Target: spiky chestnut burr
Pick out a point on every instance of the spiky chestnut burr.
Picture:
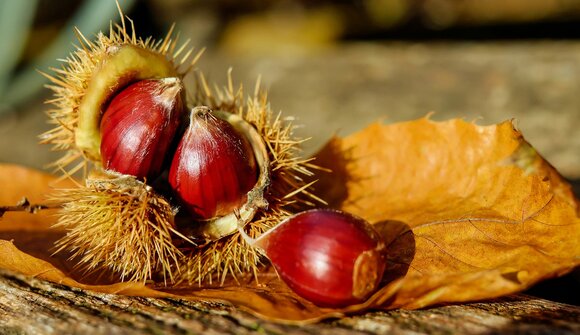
(329, 257)
(139, 126)
(97, 71)
(120, 223)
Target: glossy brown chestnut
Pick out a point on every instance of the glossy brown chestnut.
(331, 258)
(213, 167)
(139, 125)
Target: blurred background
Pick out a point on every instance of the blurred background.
(334, 65)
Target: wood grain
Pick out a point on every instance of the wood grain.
(32, 306)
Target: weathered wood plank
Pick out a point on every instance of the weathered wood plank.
(32, 306)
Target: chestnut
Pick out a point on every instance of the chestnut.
(139, 126)
(329, 257)
(213, 167)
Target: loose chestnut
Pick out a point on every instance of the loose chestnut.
(139, 126)
(213, 167)
(329, 257)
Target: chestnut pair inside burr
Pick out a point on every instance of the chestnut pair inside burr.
(219, 158)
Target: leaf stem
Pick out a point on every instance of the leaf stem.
(25, 206)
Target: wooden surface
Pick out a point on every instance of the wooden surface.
(31, 306)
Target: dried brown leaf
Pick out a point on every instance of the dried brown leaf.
(468, 213)
(480, 212)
